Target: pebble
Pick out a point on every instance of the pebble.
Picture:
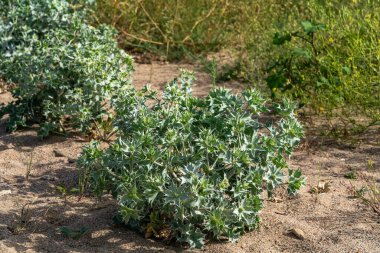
(298, 233)
(58, 153)
(4, 234)
(5, 192)
(49, 178)
(10, 146)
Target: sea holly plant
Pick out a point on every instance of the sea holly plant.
(66, 72)
(296, 181)
(196, 167)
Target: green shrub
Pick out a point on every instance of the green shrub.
(196, 167)
(331, 64)
(66, 71)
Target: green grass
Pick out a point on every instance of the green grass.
(343, 86)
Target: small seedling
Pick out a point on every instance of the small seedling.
(370, 164)
(211, 68)
(23, 220)
(75, 234)
(213, 72)
(373, 199)
(360, 192)
(29, 166)
(64, 192)
(351, 175)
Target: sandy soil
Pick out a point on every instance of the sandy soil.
(31, 208)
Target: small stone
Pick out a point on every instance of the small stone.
(48, 178)
(148, 234)
(71, 160)
(5, 192)
(298, 233)
(10, 146)
(4, 233)
(58, 153)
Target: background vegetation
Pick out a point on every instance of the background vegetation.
(332, 71)
(172, 28)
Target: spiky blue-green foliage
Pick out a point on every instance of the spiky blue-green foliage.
(65, 70)
(195, 166)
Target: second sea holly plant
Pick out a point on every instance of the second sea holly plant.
(196, 168)
(65, 71)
